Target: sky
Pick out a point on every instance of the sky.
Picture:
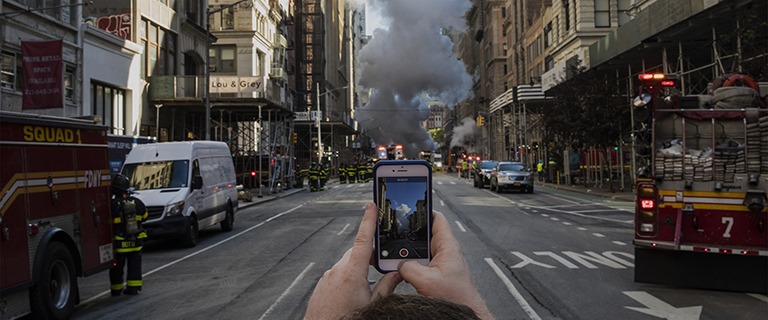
(404, 196)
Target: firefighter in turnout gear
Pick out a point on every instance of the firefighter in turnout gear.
(314, 174)
(370, 171)
(298, 177)
(362, 172)
(128, 213)
(323, 176)
(352, 172)
(343, 173)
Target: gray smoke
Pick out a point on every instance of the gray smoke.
(465, 134)
(411, 59)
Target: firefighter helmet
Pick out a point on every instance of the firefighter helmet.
(120, 183)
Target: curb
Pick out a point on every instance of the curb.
(260, 201)
(556, 187)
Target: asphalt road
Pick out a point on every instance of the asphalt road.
(547, 255)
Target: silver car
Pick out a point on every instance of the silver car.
(511, 175)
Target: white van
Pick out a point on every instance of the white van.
(186, 186)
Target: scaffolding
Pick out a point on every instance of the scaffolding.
(311, 61)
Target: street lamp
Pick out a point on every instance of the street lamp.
(317, 120)
(208, 14)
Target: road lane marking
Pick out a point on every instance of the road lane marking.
(544, 215)
(593, 202)
(452, 182)
(287, 291)
(608, 259)
(594, 257)
(200, 251)
(461, 227)
(440, 183)
(598, 235)
(601, 210)
(442, 203)
(505, 199)
(584, 215)
(582, 229)
(558, 198)
(349, 186)
(511, 287)
(560, 259)
(343, 229)
(620, 243)
(555, 219)
(535, 210)
(526, 261)
(658, 308)
(758, 296)
(566, 223)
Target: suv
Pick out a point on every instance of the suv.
(511, 175)
(482, 175)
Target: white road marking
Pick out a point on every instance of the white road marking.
(349, 186)
(451, 182)
(560, 259)
(585, 211)
(566, 223)
(609, 259)
(535, 210)
(461, 227)
(511, 287)
(620, 243)
(343, 229)
(433, 191)
(544, 215)
(558, 198)
(658, 308)
(442, 203)
(555, 219)
(287, 291)
(758, 296)
(505, 199)
(582, 229)
(526, 261)
(200, 251)
(598, 235)
(440, 183)
(594, 257)
(584, 215)
(527, 208)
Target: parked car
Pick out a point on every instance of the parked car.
(482, 175)
(511, 175)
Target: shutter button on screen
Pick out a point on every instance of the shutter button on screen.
(403, 252)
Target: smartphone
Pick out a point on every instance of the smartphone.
(403, 196)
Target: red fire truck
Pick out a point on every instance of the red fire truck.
(55, 203)
(700, 218)
(391, 152)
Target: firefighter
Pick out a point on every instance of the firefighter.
(314, 174)
(362, 171)
(465, 169)
(352, 172)
(128, 213)
(298, 178)
(323, 176)
(304, 174)
(343, 173)
(370, 171)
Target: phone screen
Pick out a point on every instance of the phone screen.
(403, 217)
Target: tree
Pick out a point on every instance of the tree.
(439, 136)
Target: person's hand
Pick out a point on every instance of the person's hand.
(345, 287)
(447, 275)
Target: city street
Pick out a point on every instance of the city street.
(547, 255)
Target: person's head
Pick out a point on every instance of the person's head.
(120, 184)
(416, 307)
(540, 161)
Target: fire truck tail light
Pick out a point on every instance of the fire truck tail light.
(646, 227)
(647, 215)
(646, 76)
(744, 251)
(646, 204)
(34, 229)
(647, 192)
(668, 83)
(706, 249)
(658, 76)
(653, 244)
(382, 149)
(253, 173)
(398, 147)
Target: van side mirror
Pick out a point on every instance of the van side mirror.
(529, 169)
(197, 182)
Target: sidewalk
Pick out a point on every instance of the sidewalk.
(605, 192)
(266, 196)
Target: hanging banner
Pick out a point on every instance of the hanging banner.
(42, 74)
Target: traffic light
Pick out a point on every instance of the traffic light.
(480, 121)
(294, 138)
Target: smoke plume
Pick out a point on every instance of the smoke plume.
(411, 59)
(464, 134)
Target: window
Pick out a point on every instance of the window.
(11, 71)
(602, 14)
(530, 52)
(109, 103)
(548, 35)
(623, 11)
(538, 46)
(549, 64)
(69, 84)
(503, 12)
(192, 7)
(159, 56)
(505, 49)
(567, 14)
(59, 9)
(223, 59)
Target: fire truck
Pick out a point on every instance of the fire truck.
(56, 221)
(391, 152)
(700, 218)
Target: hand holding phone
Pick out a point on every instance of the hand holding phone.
(403, 195)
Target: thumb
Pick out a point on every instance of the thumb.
(412, 271)
(386, 285)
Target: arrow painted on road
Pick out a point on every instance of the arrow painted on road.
(661, 309)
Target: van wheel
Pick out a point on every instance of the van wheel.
(229, 221)
(190, 238)
(53, 295)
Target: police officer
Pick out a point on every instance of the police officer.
(362, 171)
(352, 172)
(323, 176)
(314, 174)
(127, 215)
(540, 169)
(343, 173)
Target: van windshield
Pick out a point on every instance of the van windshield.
(157, 175)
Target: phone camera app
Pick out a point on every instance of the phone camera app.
(403, 217)
(404, 252)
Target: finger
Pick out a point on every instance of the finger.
(386, 285)
(361, 250)
(442, 236)
(413, 272)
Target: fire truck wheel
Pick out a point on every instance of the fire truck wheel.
(229, 221)
(53, 295)
(190, 238)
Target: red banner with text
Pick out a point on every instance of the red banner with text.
(42, 74)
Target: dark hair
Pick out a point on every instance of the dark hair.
(416, 307)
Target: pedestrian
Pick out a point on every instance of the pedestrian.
(343, 173)
(345, 290)
(314, 174)
(540, 169)
(128, 213)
